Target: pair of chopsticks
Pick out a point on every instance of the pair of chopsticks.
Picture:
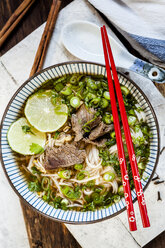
(46, 36)
(14, 20)
(110, 65)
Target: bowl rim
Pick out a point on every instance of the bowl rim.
(3, 165)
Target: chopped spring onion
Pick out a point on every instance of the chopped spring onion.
(64, 174)
(104, 103)
(131, 112)
(96, 100)
(82, 174)
(86, 126)
(98, 189)
(106, 95)
(90, 183)
(90, 96)
(97, 198)
(59, 87)
(52, 195)
(70, 193)
(59, 80)
(141, 166)
(98, 83)
(107, 118)
(121, 190)
(109, 176)
(112, 134)
(73, 79)
(125, 90)
(137, 128)
(51, 203)
(45, 183)
(145, 130)
(65, 201)
(131, 120)
(78, 166)
(91, 84)
(66, 91)
(75, 102)
(116, 198)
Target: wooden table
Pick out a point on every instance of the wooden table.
(42, 232)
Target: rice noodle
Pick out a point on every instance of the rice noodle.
(114, 185)
(92, 165)
(50, 175)
(66, 184)
(140, 115)
(92, 159)
(108, 169)
(75, 205)
(57, 184)
(59, 141)
(113, 149)
(88, 192)
(30, 164)
(84, 180)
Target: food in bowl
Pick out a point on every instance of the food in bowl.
(66, 146)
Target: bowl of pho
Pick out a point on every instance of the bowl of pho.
(58, 145)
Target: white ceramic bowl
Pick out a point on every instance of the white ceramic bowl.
(16, 177)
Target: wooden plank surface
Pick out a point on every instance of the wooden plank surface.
(42, 232)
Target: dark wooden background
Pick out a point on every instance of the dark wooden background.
(42, 232)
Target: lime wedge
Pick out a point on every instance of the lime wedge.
(22, 135)
(43, 115)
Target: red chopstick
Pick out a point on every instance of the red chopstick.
(133, 162)
(121, 155)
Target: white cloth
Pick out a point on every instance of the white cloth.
(139, 17)
(140, 25)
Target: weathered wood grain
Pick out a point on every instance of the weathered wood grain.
(43, 232)
(161, 88)
(32, 19)
(46, 233)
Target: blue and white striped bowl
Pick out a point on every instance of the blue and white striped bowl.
(16, 177)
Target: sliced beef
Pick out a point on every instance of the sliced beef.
(64, 156)
(98, 143)
(100, 130)
(82, 116)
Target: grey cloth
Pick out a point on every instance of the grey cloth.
(139, 25)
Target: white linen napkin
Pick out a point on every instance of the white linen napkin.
(141, 23)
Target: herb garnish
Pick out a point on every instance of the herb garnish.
(35, 170)
(36, 149)
(34, 186)
(26, 129)
(56, 135)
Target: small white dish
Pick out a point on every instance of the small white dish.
(83, 40)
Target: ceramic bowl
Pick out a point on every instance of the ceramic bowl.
(17, 179)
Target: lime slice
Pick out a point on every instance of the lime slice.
(43, 115)
(20, 141)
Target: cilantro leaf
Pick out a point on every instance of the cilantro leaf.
(27, 129)
(34, 186)
(56, 135)
(35, 170)
(36, 149)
